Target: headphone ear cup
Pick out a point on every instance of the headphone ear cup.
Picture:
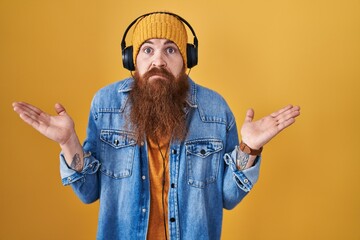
(192, 55)
(127, 58)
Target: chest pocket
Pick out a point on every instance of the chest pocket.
(203, 159)
(117, 153)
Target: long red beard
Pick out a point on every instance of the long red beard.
(158, 105)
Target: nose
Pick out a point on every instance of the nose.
(159, 60)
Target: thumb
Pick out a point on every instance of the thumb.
(60, 110)
(249, 115)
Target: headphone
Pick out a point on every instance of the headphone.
(191, 49)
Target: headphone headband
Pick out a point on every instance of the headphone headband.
(191, 49)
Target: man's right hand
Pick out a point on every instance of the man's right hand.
(59, 128)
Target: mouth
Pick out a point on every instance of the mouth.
(156, 76)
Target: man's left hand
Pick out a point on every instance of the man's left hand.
(256, 134)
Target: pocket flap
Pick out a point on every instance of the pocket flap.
(204, 148)
(117, 139)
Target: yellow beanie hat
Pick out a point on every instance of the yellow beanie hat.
(160, 25)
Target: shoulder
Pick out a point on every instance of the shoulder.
(212, 107)
(116, 87)
(112, 94)
(210, 99)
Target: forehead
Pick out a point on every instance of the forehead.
(159, 41)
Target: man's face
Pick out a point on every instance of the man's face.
(159, 92)
(159, 53)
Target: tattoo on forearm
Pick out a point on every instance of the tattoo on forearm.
(76, 163)
(241, 159)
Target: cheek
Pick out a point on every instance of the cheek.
(178, 67)
(141, 67)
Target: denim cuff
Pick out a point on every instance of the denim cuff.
(69, 175)
(245, 179)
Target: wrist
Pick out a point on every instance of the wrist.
(251, 151)
(73, 152)
(70, 142)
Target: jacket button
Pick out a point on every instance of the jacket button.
(202, 151)
(174, 151)
(173, 185)
(172, 219)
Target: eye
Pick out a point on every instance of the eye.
(170, 50)
(147, 50)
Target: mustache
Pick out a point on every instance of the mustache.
(160, 72)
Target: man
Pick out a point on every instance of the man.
(162, 153)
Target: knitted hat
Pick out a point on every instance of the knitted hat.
(160, 25)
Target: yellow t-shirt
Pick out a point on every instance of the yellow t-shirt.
(156, 228)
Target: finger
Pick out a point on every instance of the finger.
(249, 115)
(60, 110)
(296, 108)
(275, 114)
(288, 115)
(26, 106)
(30, 113)
(22, 109)
(29, 120)
(18, 106)
(285, 124)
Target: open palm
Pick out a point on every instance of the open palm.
(257, 133)
(58, 128)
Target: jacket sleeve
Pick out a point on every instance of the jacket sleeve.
(85, 183)
(236, 183)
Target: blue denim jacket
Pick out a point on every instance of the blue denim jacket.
(203, 174)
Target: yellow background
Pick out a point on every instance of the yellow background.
(260, 54)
